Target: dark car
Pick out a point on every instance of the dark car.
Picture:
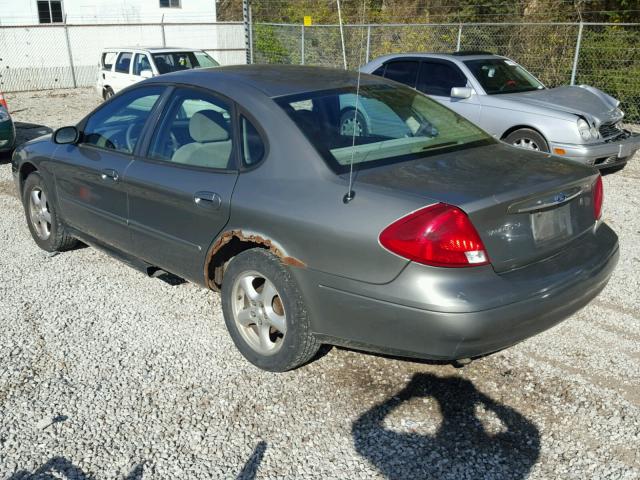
(7, 127)
(444, 243)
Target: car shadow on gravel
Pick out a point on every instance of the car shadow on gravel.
(461, 447)
(25, 132)
(60, 467)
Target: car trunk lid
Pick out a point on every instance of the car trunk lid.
(526, 206)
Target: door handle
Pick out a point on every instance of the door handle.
(109, 174)
(210, 200)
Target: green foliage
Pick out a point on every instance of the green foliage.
(267, 46)
(438, 11)
(609, 60)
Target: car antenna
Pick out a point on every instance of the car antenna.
(350, 193)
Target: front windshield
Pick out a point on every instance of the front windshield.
(175, 61)
(392, 123)
(502, 76)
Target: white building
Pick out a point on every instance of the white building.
(30, 12)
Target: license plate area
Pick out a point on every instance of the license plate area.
(550, 225)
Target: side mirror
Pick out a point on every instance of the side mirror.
(146, 74)
(66, 135)
(461, 92)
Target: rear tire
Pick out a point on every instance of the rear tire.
(528, 139)
(107, 93)
(43, 220)
(265, 313)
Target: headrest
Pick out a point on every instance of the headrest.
(208, 126)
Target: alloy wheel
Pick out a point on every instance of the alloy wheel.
(258, 312)
(526, 143)
(39, 213)
(349, 125)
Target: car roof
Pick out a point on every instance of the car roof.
(447, 56)
(153, 49)
(272, 80)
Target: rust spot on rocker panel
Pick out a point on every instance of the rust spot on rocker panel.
(226, 237)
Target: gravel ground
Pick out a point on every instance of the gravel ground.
(108, 374)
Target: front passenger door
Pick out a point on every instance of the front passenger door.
(180, 193)
(89, 175)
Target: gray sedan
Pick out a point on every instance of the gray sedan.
(444, 243)
(580, 123)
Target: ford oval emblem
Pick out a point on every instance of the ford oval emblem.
(560, 197)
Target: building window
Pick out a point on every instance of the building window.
(50, 11)
(170, 4)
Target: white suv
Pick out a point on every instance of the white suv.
(121, 67)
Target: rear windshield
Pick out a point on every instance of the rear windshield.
(502, 76)
(175, 61)
(383, 124)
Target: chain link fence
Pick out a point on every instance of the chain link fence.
(604, 55)
(35, 57)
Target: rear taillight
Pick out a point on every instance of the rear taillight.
(441, 235)
(3, 102)
(598, 198)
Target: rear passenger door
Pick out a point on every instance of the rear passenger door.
(403, 71)
(436, 78)
(180, 191)
(121, 76)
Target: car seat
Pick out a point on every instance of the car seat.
(211, 146)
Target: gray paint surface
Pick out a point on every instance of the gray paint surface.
(358, 293)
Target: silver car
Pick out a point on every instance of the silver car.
(580, 123)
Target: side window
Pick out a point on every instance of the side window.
(204, 60)
(50, 11)
(438, 78)
(107, 60)
(140, 63)
(379, 71)
(252, 145)
(403, 72)
(195, 130)
(118, 124)
(123, 63)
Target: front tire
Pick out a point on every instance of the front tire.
(527, 139)
(265, 313)
(107, 93)
(43, 220)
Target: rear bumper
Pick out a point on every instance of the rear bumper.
(602, 155)
(448, 314)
